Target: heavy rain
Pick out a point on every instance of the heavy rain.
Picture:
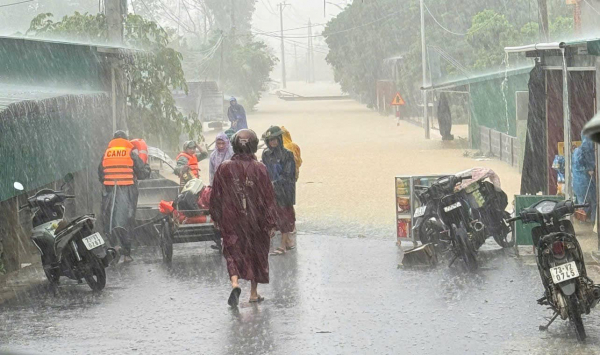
(299, 177)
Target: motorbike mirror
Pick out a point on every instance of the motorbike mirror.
(592, 129)
(68, 178)
(18, 186)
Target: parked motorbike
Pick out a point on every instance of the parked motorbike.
(68, 249)
(488, 205)
(568, 290)
(445, 220)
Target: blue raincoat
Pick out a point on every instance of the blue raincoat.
(584, 161)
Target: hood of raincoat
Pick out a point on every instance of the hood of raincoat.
(287, 137)
(219, 156)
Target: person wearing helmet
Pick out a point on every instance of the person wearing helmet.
(281, 166)
(187, 163)
(119, 171)
(242, 206)
(237, 115)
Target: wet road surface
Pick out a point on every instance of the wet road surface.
(333, 295)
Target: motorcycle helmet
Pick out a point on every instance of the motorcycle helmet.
(245, 141)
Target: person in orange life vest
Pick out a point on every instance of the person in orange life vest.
(187, 162)
(119, 171)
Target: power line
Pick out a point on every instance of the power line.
(17, 3)
(439, 24)
(593, 8)
(385, 18)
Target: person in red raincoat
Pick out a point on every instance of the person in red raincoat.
(242, 206)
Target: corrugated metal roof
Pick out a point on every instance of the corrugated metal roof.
(461, 80)
(12, 94)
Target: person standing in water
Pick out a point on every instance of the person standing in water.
(242, 205)
(237, 115)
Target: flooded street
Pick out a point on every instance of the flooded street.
(339, 292)
(333, 295)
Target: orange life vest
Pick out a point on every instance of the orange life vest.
(142, 148)
(118, 164)
(192, 163)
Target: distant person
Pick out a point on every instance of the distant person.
(294, 148)
(445, 118)
(222, 153)
(584, 186)
(242, 207)
(119, 171)
(281, 166)
(237, 115)
(187, 162)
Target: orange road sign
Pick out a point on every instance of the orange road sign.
(398, 100)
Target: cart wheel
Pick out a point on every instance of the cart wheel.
(166, 242)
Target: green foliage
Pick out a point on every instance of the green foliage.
(472, 33)
(488, 36)
(155, 70)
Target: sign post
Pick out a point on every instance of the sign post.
(397, 102)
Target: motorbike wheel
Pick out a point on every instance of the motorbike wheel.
(575, 318)
(96, 278)
(166, 242)
(466, 250)
(51, 276)
(507, 240)
(429, 232)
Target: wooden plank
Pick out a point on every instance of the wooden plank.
(495, 143)
(516, 152)
(484, 140)
(506, 148)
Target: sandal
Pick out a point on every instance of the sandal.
(234, 297)
(278, 251)
(257, 299)
(291, 247)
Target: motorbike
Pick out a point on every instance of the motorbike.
(567, 289)
(446, 220)
(69, 249)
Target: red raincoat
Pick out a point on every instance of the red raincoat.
(242, 205)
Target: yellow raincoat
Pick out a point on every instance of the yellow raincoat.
(292, 147)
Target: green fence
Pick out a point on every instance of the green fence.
(523, 231)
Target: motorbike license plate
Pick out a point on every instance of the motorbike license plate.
(93, 241)
(564, 272)
(452, 207)
(420, 211)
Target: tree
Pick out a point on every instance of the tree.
(151, 104)
(488, 35)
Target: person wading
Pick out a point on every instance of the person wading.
(119, 171)
(282, 172)
(242, 207)
(237, 115)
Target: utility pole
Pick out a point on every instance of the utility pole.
(577, 17)
(424, 63)
(115, 12)
(295, 62)
(543, 7)
(281, 7)
(232, 19)
(311, 55)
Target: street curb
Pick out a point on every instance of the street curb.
(21, 283)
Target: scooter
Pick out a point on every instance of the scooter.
(568, 290)
(68, 249)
